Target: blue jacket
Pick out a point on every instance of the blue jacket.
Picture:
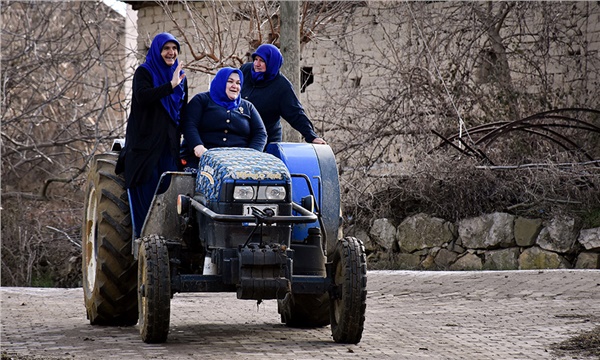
(206, 123)
(275, 99)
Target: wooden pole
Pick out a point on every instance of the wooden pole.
(290, 49)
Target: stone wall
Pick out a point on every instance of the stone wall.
(497, 241)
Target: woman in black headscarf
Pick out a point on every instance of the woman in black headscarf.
(152, 136)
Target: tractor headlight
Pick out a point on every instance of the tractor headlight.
(243, 193)
(275, 193)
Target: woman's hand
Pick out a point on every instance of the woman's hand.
(199, 150)
(177, 79)
(319, 141)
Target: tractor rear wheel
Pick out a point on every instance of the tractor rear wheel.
(349, 297)
(154, 289)
(108, 266)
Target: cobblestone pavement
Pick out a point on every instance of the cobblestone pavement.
(410, 315)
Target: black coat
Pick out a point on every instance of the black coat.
(209, 124)
(275, 99)
(150, 129)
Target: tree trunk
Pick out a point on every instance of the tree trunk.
(290, 49)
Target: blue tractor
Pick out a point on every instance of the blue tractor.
(265, 225)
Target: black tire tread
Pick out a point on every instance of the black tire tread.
(304, 310)
(113, 301)
(155, 316)
(348, 329)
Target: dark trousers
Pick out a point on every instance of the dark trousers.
(140, 196)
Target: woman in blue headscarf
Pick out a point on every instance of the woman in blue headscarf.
(221, 118)
(273, 95)
(152, 136)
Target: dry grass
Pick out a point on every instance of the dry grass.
(454, 189)
(584, 344)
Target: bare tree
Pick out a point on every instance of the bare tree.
(432, 73)
(224, 33)
(62, 101)
(451, 67)
(62, 89)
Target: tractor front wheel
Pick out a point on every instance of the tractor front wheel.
(349, 294)
(154, 289)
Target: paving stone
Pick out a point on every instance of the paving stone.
(410, 315)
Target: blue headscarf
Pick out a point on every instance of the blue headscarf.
(273, 59)
(217, 88)
(162, 73)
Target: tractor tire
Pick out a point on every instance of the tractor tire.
(108, 266)
(349, 299)
(304, 310)
(154, 292)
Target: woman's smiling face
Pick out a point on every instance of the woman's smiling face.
(169, 53)
(232, 88)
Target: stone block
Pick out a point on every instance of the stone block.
(456, 248)
(559, 235)
(468, 262)
(526, 231)
(504, 259)
(588, 260)
(383, 232)
(428, 263)
(590, 239)
(537, 258)
(445, 258)
(423, 231)
(487, 231)
(408, 261)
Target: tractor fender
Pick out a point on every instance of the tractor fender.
(316, 162)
